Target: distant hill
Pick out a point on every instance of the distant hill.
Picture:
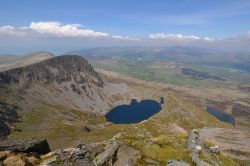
(193, 55)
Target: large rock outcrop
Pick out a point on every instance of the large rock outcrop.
(127, 156)
(26, 146)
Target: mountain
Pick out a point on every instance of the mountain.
(65, 87)
(11, 61)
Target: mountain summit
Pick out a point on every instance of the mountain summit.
(61, 69)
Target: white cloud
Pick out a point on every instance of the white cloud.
(7, 28)
(125, 38)
(10, 30)
(177, 37)
(52, 28)
(68, 30)
(208, 39)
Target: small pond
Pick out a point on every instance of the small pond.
(221, 115)
(135, 112)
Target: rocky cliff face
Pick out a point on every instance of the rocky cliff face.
(67, 82)
(58, 69)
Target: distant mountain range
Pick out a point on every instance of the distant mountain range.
(193, 55)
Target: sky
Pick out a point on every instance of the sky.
(64, 25)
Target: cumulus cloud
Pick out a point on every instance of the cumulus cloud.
(68, 30)
(208, 39)
(125, 38)
(177, 37)
(52, 28)
(10, 30)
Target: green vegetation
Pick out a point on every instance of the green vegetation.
(8, 109)
(65, 127)
(62, 127)
(225, 160)
(166, 72)
(161, 148)
(199, 75)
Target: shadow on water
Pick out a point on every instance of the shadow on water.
(222, 116)
(135, 112)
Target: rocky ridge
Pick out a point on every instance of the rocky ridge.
(59, 69)
(68, 82)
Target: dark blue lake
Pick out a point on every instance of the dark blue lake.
(135, 112)
(221, 115)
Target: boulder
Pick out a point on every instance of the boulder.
(26, 146)
(127, 156)
(176, 163)
(14, 160)
(4, 155)
(83, 155)
(87, 129)
(214, 149)
(108, 154)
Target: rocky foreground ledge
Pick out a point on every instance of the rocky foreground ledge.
(37, 152)
(121, 150)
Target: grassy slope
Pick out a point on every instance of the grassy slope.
(63, 127)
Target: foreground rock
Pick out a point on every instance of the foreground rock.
(83, 155)
(127, 156)
(8, 158)
(26, 146)
(117, 151)
(37, 152)
(109, 153)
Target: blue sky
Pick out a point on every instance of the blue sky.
(129, 19)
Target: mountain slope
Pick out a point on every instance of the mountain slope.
(64, 87)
